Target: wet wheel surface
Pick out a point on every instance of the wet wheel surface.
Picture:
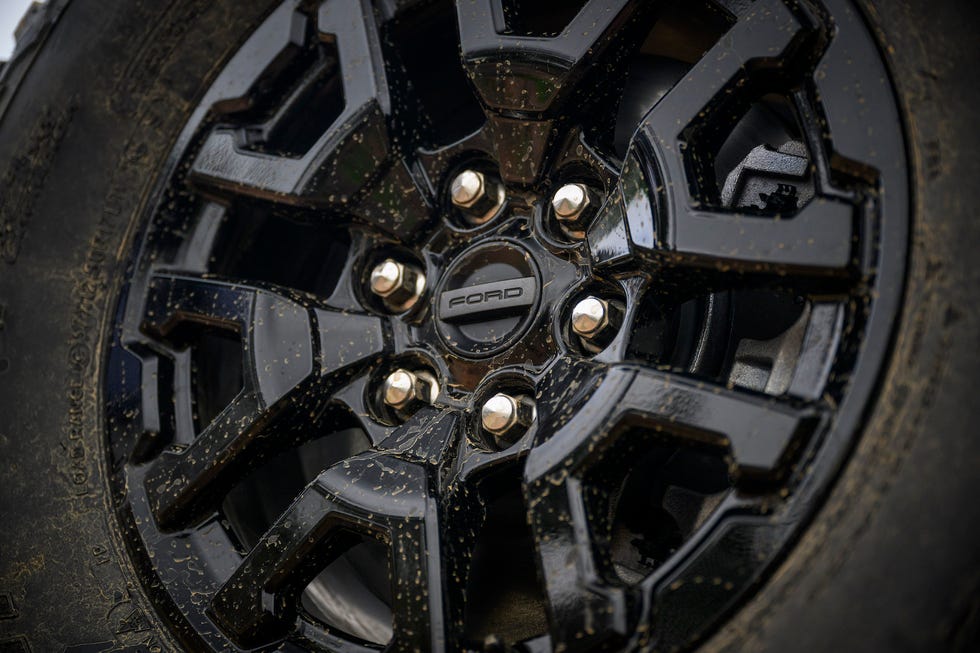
(487, 326)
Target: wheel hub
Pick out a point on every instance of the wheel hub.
(490, 296)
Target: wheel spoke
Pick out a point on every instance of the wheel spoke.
(769, 35)
(670, 223)
(757, 431)
(426, 438)
(817, 241)
(396, 203)
(357, 137)
(586, 611)
(587, 603)
(649, 320)
(527, 74)
(295, 355)
(277, 42)
(532, 76)
(372, 496)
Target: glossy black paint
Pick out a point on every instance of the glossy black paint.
(422, 489)
(373, 495)
(817, 240)
(289, 346)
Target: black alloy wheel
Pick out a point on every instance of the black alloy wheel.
(738, 258)
(498, 325)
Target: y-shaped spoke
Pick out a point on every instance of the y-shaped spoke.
(374, 495)
(588, 604)
(350, 151)
(656, 209)
(295, 354)
(532, 76)
(527, 74)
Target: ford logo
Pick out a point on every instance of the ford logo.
(499, 298)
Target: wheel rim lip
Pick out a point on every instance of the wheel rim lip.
(852, 410)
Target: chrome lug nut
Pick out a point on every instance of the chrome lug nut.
(407, 391)
(596, 321)
(399, 285)
(506, 417)
(479, 196)
(574, 206)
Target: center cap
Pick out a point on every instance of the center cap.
(487, 299)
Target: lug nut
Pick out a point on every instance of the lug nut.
(407, 391)
(574, 205)
(398, 284)
(506, 417)
(479, 196)
(595, 321)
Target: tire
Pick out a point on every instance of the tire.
(887, 566)
(92, 110)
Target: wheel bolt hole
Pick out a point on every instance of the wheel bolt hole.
(476, 194)
(394, 281)
(594, 318)
(505, 412)
(402, 389)
(573, 203)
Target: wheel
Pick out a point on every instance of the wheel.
(414, 325)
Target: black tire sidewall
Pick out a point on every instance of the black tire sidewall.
(891, 561)
(81, 145)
